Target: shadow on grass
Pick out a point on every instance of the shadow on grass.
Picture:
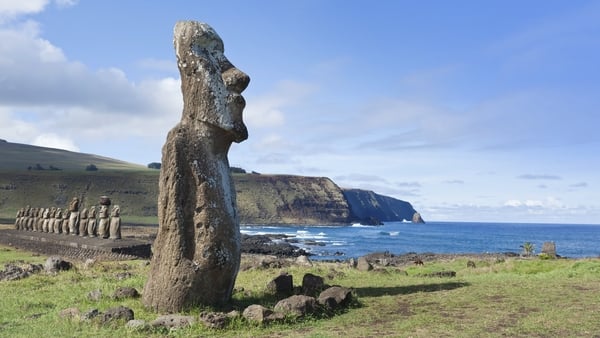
(405, 290)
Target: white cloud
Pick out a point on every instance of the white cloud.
(51, 140)
(12, 8)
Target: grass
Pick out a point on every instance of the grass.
(513, 297)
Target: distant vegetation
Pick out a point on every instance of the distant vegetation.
(91, 167)
(154, 165)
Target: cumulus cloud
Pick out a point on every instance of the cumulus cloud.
(49, 100)
(51, 140)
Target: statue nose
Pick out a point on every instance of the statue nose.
(235, 80)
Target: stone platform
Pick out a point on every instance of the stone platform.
(76, 246)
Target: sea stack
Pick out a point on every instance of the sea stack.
(196, 254)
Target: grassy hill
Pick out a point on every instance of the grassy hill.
(262, 199)
(18, 157)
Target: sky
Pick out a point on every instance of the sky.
(469, 110)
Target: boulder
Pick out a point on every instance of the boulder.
(297, 305)
(335, 297)
(117, 314)
(95, 295)
(312, 284)
(257, 313)
(363, 264)
(282, 285)
(125, 292)
(55, 264)
(70, 313)
(173, 321)
(214, 320)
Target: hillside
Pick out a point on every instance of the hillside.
(262, 199)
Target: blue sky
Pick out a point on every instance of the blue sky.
(470, 110)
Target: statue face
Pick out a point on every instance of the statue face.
(211, 85)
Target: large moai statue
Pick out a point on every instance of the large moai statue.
(196, 254)
(115, 223)
(18, 219)
(74, 216)
(103, 221)
(46, 220)
(91, 226)
(65, 222)
(83, 222)
(51, 219)
(58, 221)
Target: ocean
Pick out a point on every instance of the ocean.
(352, 241)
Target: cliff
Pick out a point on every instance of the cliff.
(262, 199)
(369, 207)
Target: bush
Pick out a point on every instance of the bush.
(91, 167)
(154, 165)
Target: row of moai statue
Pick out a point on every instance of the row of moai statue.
(85, 223)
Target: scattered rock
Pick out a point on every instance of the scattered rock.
(125, 292)
(123, 275)
(117, 313)
(94, 295)
(137, 324)
(89, 263)
(55, 264)
(257, 313)
(335, 297)
(173, 321)
(15, 272)
(363, 264)
(70, 313)
(298, 305)
(471, 264)
(214, 320)
(312, 284)
(92, 313)
(282, 285)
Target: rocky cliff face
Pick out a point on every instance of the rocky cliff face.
(367, 206)
(261, 199)
(271, 199)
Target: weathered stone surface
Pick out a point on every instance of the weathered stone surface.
(14, 272)
(92, 313)
(303, 261)
(54, 264)
(214, 320)
(137, 324)
(117, 313)
(125, 292)
(363, 264)
(257, 313)
(282, 284)
(173, 321)
(115, 223)
(312, 284)
(335, 297)
(196, 254)
(297, 305)
(549, 248)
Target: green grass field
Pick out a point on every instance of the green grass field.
(513, 297)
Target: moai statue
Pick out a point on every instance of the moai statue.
(91, 226)
(196, 254)
(103, 222)
(74, 216)
(83, 222)
(52, 216)
(18, 219)
(58, 221)
(65, 222)
(34, 218)
(28, 219)
(115, 223)
(40, 220)
(46, 217)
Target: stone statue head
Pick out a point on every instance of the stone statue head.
(74, 205)
(116, 211)
(92, 212)
(211, 85)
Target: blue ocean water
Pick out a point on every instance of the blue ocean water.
(342, 242)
